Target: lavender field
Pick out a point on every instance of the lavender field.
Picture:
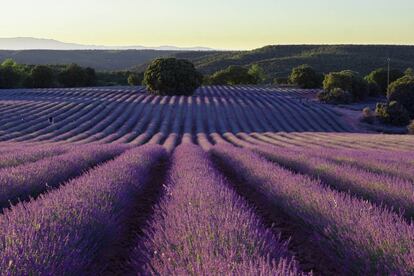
(231, 181)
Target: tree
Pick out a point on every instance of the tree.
(380, 78)
(392, 113)
(41, 76)
(73, 76)
(409, 72)
(135, 79)
(402, 91)
(348, 81)
(305, 77)
(232, 75)
(170, 76)
(10, 74)
(90, 77)
(258, 73)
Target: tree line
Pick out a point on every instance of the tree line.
(14, 75)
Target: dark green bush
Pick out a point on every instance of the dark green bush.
(402, 91)
(170, 76)
(232, 75)
(392, 113)
(41, 76)
(380, 77)
(335, 96)
(348, 81)
(305, 77)
(135, 79)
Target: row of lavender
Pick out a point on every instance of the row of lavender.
(71, 229)
(204, 223)
(359, 236)
(132, 117)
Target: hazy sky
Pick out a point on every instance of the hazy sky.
(233, 24)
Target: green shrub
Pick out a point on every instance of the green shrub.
(258, 73)
(305, 77)
(41, 76)
(170, 76)
(402, 91)
(380, 77)
(232, 75)
(335, 96)
(135, 79)
(348, 81)
(392, 113)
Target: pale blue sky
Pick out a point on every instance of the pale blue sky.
(235, 24)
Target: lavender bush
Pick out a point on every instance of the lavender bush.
(392, 191)
(30, 180)
(64, 231)
(30, 154)
(201, 227)
(357, 236)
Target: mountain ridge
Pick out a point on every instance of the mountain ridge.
(32, 43)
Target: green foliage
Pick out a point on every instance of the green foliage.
(409, 72)
(305, 77)
(402, 91)
(380, 78)
(335, 96)
(392, 113)
(373, 88)
(11, 74)
(258, 73)
(233, 75)
(90, 77)
(41, 76)
(9, 63)
(112, 78)
(170, 76)
(348, 81)
(135, 79)
(75, 76)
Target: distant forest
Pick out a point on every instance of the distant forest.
(277, 61)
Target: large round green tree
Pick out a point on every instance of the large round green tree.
(170, 76)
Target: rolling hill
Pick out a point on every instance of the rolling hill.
(277, 60)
